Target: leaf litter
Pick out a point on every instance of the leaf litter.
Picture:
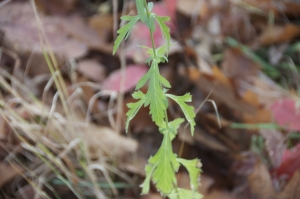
(244, 52)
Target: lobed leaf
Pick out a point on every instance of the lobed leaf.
(162, 166)
(184, 193)
(125, 30)
(186, 109)
(134, 107)
(194, 171)
(143, 80)
(160, 54)
(164, 82)
(165, 30)
(141, 10)
(151, 22)
(155, 96)
(172, 128)
(146, 184)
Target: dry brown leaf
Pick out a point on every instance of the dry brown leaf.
(92, 69)
(236, 65)
(260, 182)
(279, 8)
(103, 24)
(8, 172)
(261, 84)
(21, 34)
(292, 189)
(136, 165)
(106, 139)
(203, 138)
(251, 98)
(279, 34)
(224, 92)
(261, 185)
(56, 6)
(76, 27)
(236, 25)
(200, 8)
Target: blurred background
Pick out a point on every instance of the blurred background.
(63, 98)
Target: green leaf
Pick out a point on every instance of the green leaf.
(164, 82)
(150, 6)
(165, 30)
(194, 171)
(172, 127)
(140, 6)
(146, 184)
(184, 193)
(155, 95)
(134, 107)
(125, 30)
(160, 54)
(143, 80)
(187, 110)
(164, 166)
(151, 22)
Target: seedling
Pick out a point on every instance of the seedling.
(161, 167)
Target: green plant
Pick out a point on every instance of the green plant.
(161, 168)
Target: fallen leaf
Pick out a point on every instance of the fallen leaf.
(237, 66)
(201, 8)
(279, 34)
(103, 24)
(92, 69)
(203, 138)
(74, 27)
(290, 163)
(7, 172)
(278, 8)
(19, 22)
(291, 190)
(222, 93)
(56, 6)
(251, 98)
(274, 144)
(133, 74)
(286, 113)
(109, 141)
(260, 182)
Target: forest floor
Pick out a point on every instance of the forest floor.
(63, 98)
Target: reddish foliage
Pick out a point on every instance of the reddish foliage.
(290, 162)
(132, 75)
(286, 113)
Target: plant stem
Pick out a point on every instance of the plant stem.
(151, 32)
(153, 45)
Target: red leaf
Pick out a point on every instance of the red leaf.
(290, 163)
(133, 74)
(286, 113)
